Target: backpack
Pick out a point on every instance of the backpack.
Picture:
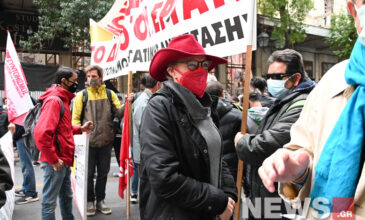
(30, 121)
(85, 98)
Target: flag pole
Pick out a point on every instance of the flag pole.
(246, 90)
(130, 87)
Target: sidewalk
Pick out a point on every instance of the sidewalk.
(32, 210)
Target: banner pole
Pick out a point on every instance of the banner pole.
(130, 87)
(246, 93)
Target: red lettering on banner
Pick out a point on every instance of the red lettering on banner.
(124, 8)
(116, 20)
(124, 33)
(113, 53)
(113, 30)
(15, 76)
(132, 4)
(154, 16)
(120, 30)
(174, 17)
(190, 5)
(97, 58)
(167, 8)
(218, 3)
(141, 20)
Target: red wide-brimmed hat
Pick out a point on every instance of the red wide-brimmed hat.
(181, 46)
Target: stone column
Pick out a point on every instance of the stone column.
(66, 59)
(222, 75)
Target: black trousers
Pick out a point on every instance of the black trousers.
(99, 158)
(117, 142)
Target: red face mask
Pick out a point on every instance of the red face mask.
(195, 81)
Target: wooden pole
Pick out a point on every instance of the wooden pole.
(251, 21)
(246, 91)
(130, 87)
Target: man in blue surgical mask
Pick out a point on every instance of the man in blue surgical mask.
(325, 156)
(289, 83)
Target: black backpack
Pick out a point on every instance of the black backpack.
(30, 122)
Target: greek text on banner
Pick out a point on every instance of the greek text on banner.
(132, 31)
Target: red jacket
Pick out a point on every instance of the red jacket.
(49, 125)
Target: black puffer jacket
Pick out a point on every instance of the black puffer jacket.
(175, 177)
(3, 121)
(6, 182)
(273, 133)
(229, 125)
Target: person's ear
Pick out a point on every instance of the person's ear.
(63, 81)
(296, 79)
(170, 70)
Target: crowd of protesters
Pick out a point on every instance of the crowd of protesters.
(303, 140)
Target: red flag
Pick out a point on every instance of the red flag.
(125, 156)
(16, 89)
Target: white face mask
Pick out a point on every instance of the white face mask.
(361, 13)
(93, 82)
(277, 88)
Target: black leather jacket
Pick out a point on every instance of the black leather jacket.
(175, 177)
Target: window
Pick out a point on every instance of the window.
(308, 67)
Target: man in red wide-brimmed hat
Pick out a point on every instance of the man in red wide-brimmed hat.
(183, 176)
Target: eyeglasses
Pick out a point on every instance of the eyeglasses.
(277, 76)
(193, 64)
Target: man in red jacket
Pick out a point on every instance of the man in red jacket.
(53, 135)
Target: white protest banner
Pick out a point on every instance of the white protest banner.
(16, 89)
(6, 144)
(133, 30)
(79, 173)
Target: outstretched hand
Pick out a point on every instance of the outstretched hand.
(283, 166)
(87, 127)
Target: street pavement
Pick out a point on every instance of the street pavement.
(32, 211)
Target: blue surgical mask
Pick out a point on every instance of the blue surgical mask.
(361, 13)
(277, 88)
